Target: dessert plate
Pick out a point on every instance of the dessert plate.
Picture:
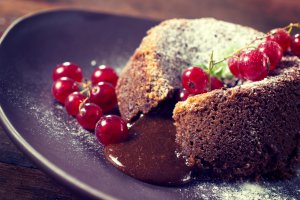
(29, 51)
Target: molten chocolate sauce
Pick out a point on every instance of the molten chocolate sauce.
(150, 155)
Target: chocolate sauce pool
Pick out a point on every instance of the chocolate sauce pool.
(150, 154)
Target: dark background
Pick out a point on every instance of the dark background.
(19, 178)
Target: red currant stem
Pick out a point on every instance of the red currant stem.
(83, 102)
(216, 63)
(296, 25)
(210, 68)
(85, 84)
(236, 52)
(88, 84)
(290, 29)
(291, 26)
(84, 90)
(257, 38)
(224, 59)
(247, 47)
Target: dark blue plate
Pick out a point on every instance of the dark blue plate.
(29, 51)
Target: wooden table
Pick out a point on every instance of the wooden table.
(19, 178)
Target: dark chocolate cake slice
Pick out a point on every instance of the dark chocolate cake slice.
(246, 130)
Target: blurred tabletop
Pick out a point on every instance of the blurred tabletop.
(19, 178)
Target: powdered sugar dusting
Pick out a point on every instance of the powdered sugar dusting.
(52, 117)
(193, 40)
(57, 122)
(279, 190)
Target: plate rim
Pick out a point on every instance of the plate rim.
(42, 162)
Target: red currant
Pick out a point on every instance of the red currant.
(233, 64)
(89, 114)
(103, 94)
(73, 102)
(254, 65)
(69, 70)
(183, 95)
(295, 45)
(194, 80)
(273, 51)
(216, 83)
(104, 74)
(111, 129)
(62, 87)
(281, 36)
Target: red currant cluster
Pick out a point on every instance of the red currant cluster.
(88, 100)
(249, 63)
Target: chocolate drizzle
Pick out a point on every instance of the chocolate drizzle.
(150, 155)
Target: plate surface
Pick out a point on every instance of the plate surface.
(41, 128)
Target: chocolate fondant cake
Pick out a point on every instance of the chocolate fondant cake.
(246, 130)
